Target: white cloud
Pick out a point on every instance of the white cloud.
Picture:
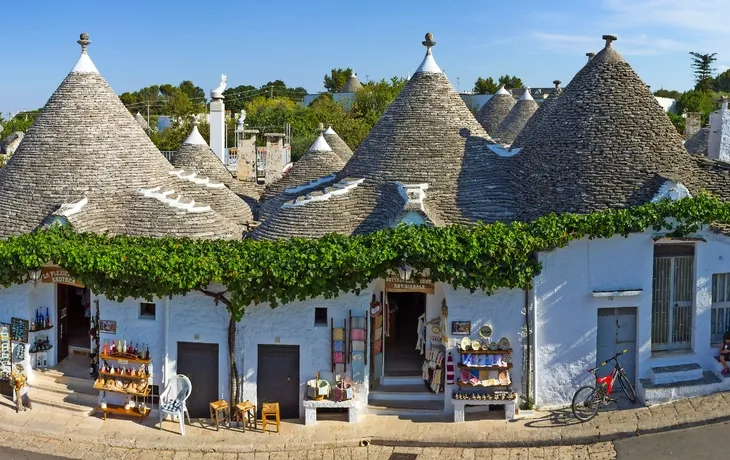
(637, 45)
(705, 16)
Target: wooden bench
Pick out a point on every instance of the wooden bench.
(311, 406)
(460, 405)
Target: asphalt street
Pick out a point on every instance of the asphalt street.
(707, 442)
(7, 453)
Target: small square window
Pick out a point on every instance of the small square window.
(320, 316)
(147, 310)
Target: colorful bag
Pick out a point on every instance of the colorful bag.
(338, 357)
(378, 346)
(339, 346)
(358, 334)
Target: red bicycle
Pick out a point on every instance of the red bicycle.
(588, 399)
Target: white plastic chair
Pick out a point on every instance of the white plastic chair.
(172, 400)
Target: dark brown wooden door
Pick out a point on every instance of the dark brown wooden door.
(62, 306)
(278, 378)
(199, 363)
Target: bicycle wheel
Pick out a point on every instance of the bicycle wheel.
(627, 387)
(586, 402)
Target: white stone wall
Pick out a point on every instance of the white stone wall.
(718, 143)
(567, 318)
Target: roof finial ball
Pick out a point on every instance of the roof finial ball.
(83, 41)
(609, 39)
(428, 42)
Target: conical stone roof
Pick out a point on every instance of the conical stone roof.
(87, 162)
(318, 166)
(195, 156)
(352, 85)
(495, 110)
(537, 117)
(427, 154)
(517, 118)
(610, 145)
(141, 121)
(338, 145)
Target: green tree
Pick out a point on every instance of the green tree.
(195, 93)
(697, 101)
(702, 65)
(672, 94)
(20, 122)
(722, 82)
(510, 82)
(335, 81)
(677, 120)
(372, 100)
(485, 86)
(236, 97)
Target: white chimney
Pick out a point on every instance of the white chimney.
(718, 144)
(218, 121)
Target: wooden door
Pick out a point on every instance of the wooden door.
(62, 302)
(278, 378)
(199, 363)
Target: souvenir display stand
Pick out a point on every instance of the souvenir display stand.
(484, 376)
(41, 342)
(6, 364)
(358, 358)
(127, 372)
(433, 368)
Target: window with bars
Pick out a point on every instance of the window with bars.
(720, 306)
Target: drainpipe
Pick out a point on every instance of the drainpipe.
(527, 374)
(165, 361)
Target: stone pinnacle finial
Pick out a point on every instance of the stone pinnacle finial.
(609, 39)
(83, 41)
(428, 43)
(557, 83)
(320, 128)
(196, 120)
(590, 55)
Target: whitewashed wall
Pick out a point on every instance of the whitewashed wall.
(293, 324)
(21, 301)
(711, 257)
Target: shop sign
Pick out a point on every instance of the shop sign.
(395, 284)
(58, 275)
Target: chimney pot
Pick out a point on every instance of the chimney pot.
(590, 55)
(609, 39)
(556, 83)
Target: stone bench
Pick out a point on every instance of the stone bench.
(460, 405)
(311, 406)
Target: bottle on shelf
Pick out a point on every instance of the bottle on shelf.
(48, 319)
(147, 352)
(106, 347)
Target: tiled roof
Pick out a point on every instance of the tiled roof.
(338, 145)
(516, 119)
(86, 160)
(697, 143)
(537, 117)
(352, 85)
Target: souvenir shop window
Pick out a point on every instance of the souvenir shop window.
(320, 316)
(154, 396)
(147, 310)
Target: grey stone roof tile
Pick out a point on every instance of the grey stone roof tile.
(494, 111)
(697, 143)
(515, 120)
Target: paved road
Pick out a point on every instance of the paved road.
(695, 443)
(7, 453)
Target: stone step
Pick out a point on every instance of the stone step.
(651, 393)
(426, 408)
(418, 394)
(673, 374)
(73, 403)
(62, 384)
(390, 380)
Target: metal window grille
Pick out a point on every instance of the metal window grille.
(672, 301)
(720, 312)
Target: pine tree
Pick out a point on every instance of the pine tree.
(702, 65)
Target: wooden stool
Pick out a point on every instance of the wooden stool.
(246, 413)
(219, 409)
(269, 409)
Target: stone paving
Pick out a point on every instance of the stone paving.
(551, 429)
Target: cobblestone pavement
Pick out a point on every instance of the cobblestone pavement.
(76, 450)
(540, 429)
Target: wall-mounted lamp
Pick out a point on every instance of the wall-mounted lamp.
(405, 271)
(34, 275)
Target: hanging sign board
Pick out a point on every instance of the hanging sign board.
(395, 284)
(58, 275)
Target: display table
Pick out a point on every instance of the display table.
(460, 404)
(311, 406)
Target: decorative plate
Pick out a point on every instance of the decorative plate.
(507, 358)
(485, 331)
(465, 343)
(435, 330)
(475, 345)
(504, 343)
(493, 346)
(485, 345)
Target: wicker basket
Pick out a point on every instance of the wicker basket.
(318, 389)
(343, 391)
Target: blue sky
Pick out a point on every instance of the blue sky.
(139, 43)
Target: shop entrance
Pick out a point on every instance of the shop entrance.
(74, 318)
(277, 378)
(199, 362)
(402, 357)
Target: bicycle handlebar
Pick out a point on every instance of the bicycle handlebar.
(612, 358)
